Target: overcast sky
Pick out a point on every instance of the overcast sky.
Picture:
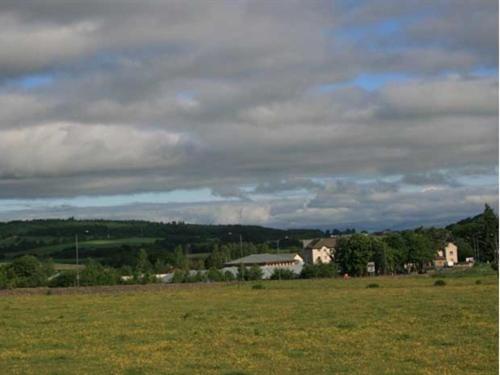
(372, 114)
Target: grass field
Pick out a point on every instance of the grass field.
(405, 326)
(93, 244)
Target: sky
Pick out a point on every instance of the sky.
(285, 113)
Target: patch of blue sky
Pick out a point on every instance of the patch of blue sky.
(379, 29)
(366, 81)
(175, 196)
(33, 81)
(484, 71)
(187, 95)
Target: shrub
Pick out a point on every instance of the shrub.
(252, 273)
(26, 272)
(179, 276)
(198, 277)
(63, 279)
(3, 277)
(214, 274)
(282, 274)
(323, 270)
(229, 276)
(439, 283)
(95, 273)
(372, 285)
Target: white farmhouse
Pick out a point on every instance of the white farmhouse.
(448, 254)
(320, 250)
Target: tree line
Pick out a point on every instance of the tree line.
(393, 252)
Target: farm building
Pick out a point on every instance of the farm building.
(267, 262)
(320, 250)
(276, 260)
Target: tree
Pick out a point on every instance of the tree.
(465, 250)
(489, 235)
(420, 249)
(143, 264)
(353, 254)
(217, 258)
(383, 256)
(95, 273)
(27, 271)
(180, 259)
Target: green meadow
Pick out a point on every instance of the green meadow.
(404, 325)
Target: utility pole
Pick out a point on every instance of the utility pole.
(277, 253)
(241, 257)
(241, 246)
(77, 261)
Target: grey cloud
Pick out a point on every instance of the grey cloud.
(289, 184)
(374, 210)
(432, 178)
(158, 96)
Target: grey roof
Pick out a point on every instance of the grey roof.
(318, 243)
(263, 259)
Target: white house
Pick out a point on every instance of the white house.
(448, 254)
(320, 250)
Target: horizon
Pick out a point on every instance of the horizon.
(283, 114)
(324, 228)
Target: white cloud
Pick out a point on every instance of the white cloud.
(157, 96)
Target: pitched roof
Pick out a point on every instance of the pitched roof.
(318, 243)
(263, 259)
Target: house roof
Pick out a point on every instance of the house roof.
(263, 259)
(318, 243)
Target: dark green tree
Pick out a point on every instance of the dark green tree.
(143, 264)
(353, 254)
(180, 259)
(27, 271)
(383, 256)
(489, 235)
(421, 251)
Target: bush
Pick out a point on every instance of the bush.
(214, 274)
(283, 274)
(179, 276)
(372, 285)
(252, 273)
(26, 272)
(439, 283)
(198, 277)
(321, 270)
(4, 282)
(229, 276)
(63, 279)
(95, 273)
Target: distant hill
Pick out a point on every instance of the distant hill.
(109, 240)
(117, 243)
